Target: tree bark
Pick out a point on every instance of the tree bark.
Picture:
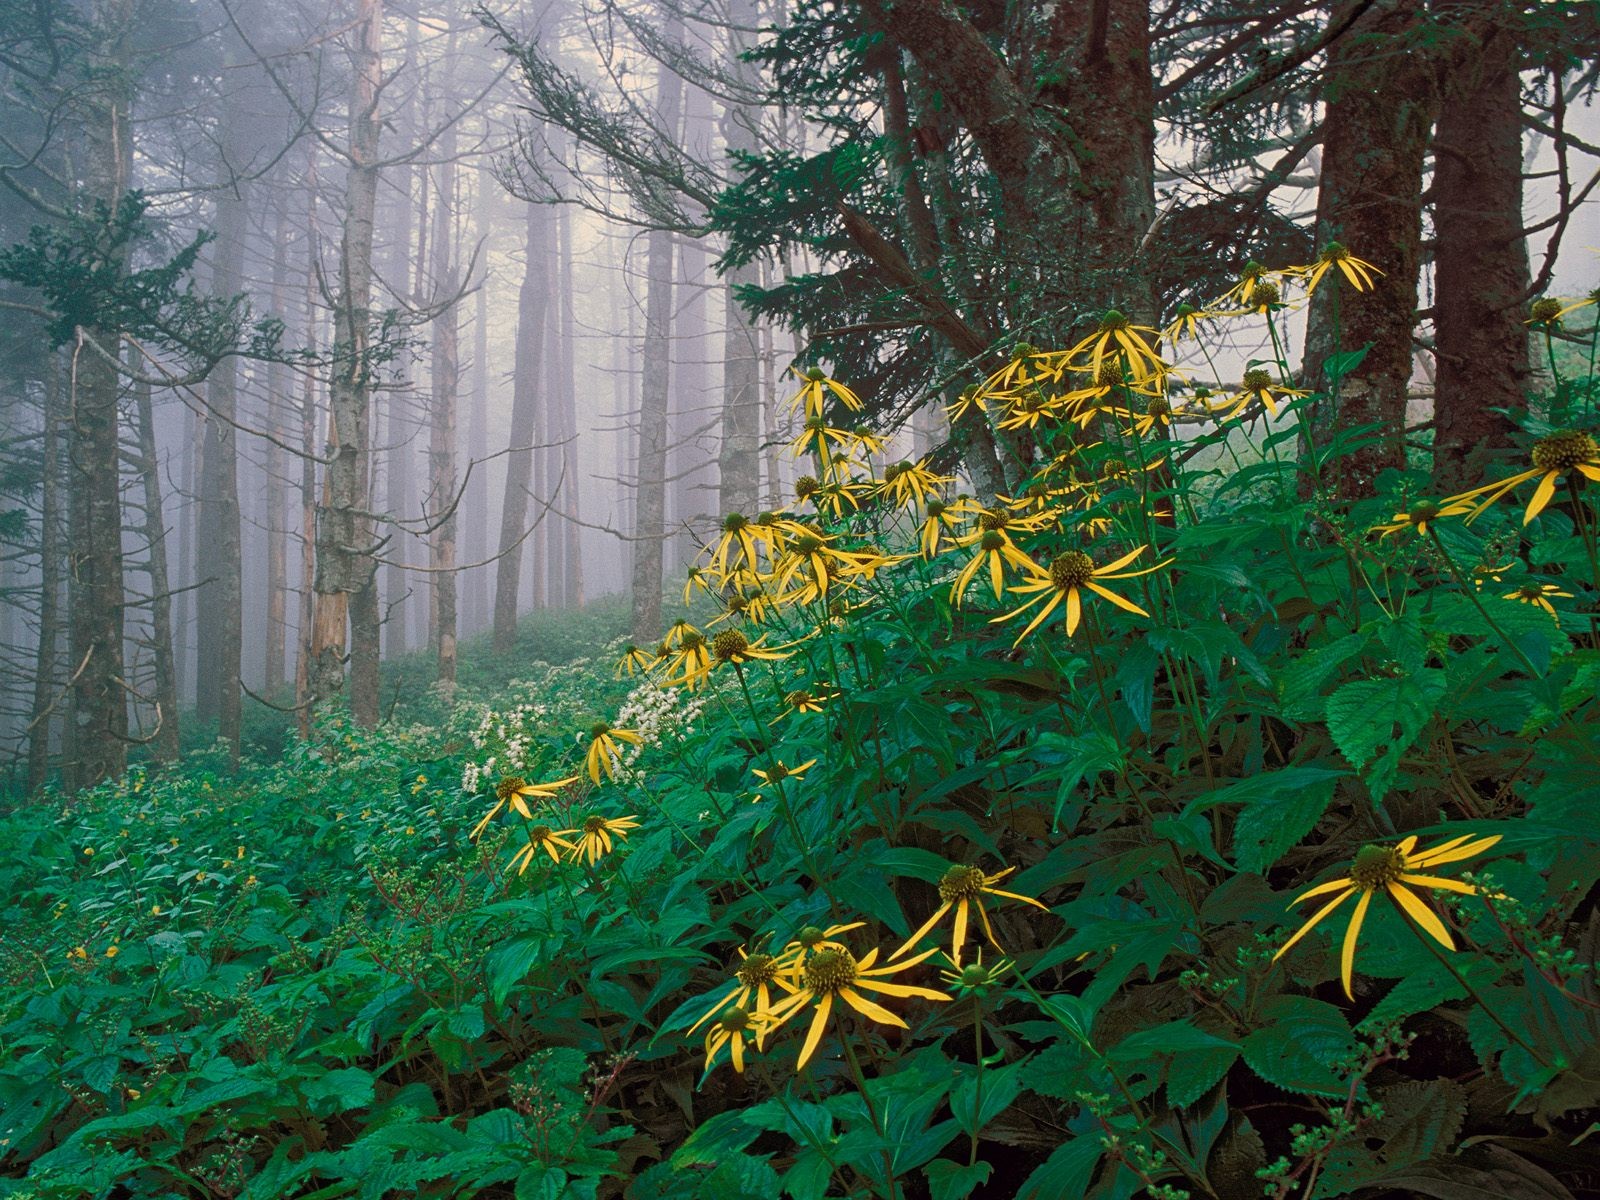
(98, 728)
(277, 404)
(566, 405)
(532, 309)
(1480, 261)
(164, 744)
(345, 578)
(1381, 104)
(218, 626)
(446, 379)
(45, 698)
(476, 501)
(306, 617)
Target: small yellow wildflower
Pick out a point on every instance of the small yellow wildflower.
(605, 750)
(1391, 870)
(634, 660)
(542, 837)
(1068, 574)
(1357, 272)
(596, 839)
(815, 386)
(1421, 515)
(963, 889)
(777, 771)
(1553, 458)
(113, 950)
(1539, 595)
(734, 1027)
(755, 975)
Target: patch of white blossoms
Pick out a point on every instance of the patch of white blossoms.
(502, 739)
(656, 714)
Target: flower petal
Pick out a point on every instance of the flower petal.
(818, 1024)
(1422, 915)
(1347, 954)
(873, 1012)
(1315, 918)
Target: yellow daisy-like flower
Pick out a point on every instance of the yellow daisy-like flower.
(739, 544)
(834, 973)
(911, 483)
(1357, 272)
(597, 833)
(1546, 312)
(992, 548)
(1068, 575)
(1539, 595)
(803, 700)
(634, 660)
(1027, 365)
(829, 499)
(963, 889)
(696, 581)
(1117, 334)
(542, 837)
(1026, 409)
(1258, 385)
(516, 791)
(778, 771)
(689, 663)
(754, 976)
(1392, 870)
(938, 521)
(734, 1027)
(605, 749)
(1186, 323)
(1553, 457)
(1250, 278)
(731, 646)
(809, 939)
(815, 387)
(1421, 515)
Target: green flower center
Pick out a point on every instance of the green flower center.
(806, 486)
(757, 969)
(829, 970)
(540, 833)
(1070, 570)
(733, 1018)
(1266, 294)
(961, 883)
(972, 975)
(1427, 510)
(1256, 378)
(892, 472)
(1022, 350)
(777, 771)
(991, 540)
(1158, 407)
(509, 787)
(1186, 310)
(1545, 310)
(599, 729)
(729, 645)
(810, 935)
(1333, 252)
(815, 374)
(1110, 374)
(594, 824)
(1113, 467)
(692, 640)
(936, 508)
(1253, 270)
(993, 518)
(1376, 867)
(807, 544)
(796, 699)
(1563, 451)
(734, 522)
(1113, 320)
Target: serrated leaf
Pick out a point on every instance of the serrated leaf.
(1420, 1119)
(1375, 721)
(1298, 1043)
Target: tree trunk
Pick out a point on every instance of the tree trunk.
(446, 378)
(476, 501)
(97, 741)
(277, 403)
(1480, 262)
(345, 578)
(306, 617)
(164, 744)
(1380, 109)
(218, 627)
(532, 308)
(566, 405)
(45, 698)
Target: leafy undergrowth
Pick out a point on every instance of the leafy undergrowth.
(810, 834)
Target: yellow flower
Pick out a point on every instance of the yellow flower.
(1257, 385)
(1120, 336)
(1068, 574)
(1420, 515)
(542, 837)
(634, 659)
(938, 520)
(963, 889)
(515, 791)
(1025, 409)
(596, 839)
(814, 388)
(908, 483)
(605, 751)
(778, 772)
(738, 533)
(1553, 456)
(1250, 278)
(829, 499)
(803, 701)
(689, 663)
(1027, 365)
(1357, 272)
(810, 938)
(834, 973)
(113, 950)
(1539, 594)
(1390, 870)
(1546, 312)
(1186, 323)
(975, 979)
(734, 1027)
(756, 975)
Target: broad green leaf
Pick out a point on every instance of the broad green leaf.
(1298, 1044)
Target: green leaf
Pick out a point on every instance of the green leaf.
(339, 1091)
(980, 1097)
(908, 861)
(1339, 364)
(1420, 1120)
(1267, 829)
(953, 1181)
(1375, 721)
(1067, 1172)
(1298, 1044)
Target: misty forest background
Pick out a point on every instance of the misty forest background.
(430, 426)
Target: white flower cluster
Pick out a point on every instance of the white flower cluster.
(656, 713)
(503, 736)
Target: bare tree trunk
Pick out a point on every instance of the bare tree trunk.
(345, 583)
(532, 307)
(1480, 261)
(476, 501)
(97, 742)
(306, 617)
(164, 745)
(277, 401)
(566, 405)
(1380, 108)
(219, 632)
(193, 443)
(45, 698)
(446, 379)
